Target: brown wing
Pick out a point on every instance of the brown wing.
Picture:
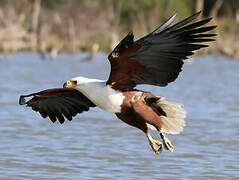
(157, 58)
(58, 103)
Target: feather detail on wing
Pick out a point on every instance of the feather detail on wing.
(58, 103)
(157, 58)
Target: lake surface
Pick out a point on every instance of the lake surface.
(96, 145)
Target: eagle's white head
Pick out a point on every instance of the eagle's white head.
(79, 81)
(98, 92)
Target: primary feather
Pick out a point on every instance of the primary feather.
(157, 58)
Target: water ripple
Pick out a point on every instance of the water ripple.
(95, 145)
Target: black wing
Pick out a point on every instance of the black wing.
(157, 58)
(58, 103)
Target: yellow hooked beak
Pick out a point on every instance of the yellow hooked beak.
(70, 84)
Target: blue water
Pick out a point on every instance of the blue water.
(95, 145)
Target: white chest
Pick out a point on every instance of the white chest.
(103, 96)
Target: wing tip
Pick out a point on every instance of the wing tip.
(196, 15)
(213, 27)
(199, 12)
(22, 100)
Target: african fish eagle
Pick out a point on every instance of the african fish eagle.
(155, 59)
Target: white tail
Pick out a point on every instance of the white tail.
(174, 122)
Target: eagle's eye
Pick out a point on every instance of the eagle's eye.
(74, 82)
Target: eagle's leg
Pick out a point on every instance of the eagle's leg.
(155, 144)
(167, 143)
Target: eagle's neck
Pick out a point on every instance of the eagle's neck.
(102, 95)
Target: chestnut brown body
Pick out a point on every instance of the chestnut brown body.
(137, 112)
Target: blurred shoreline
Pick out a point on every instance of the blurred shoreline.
(74, 26)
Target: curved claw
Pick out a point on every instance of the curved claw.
(167, 144)
(157, 147)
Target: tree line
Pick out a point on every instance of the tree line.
(74, 25)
